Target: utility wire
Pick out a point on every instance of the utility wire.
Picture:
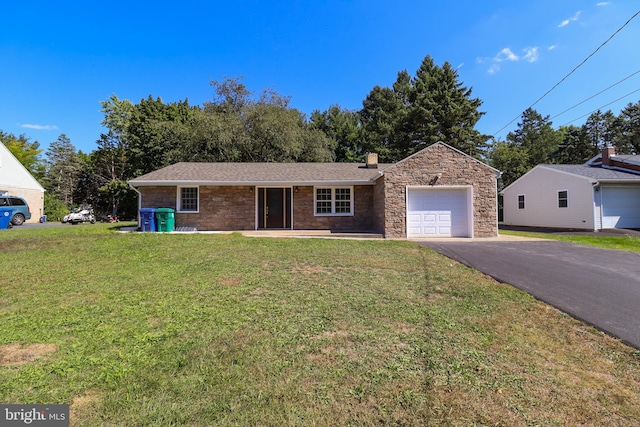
(593, 96)
(572, 71)
(600, 108)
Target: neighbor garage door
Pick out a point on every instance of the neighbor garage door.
(620, 207)
(436, 212)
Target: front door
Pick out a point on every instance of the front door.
(274, 207)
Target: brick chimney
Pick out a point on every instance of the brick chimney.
(607, 154)
(371, 160)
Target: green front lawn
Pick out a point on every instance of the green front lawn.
(621, 243)
(158, 330)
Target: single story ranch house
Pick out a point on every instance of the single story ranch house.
(436, 192)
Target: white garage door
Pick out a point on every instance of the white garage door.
(437, 212)
(620, 207)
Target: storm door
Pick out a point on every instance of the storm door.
(274, 208)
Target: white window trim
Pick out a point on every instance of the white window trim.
(178, 201)
(558, 199)
(524, 201)
(333, 201)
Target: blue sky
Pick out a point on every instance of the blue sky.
(58, 60)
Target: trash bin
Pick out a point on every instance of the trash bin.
(5, 217)
(148, 219)
(166, 219)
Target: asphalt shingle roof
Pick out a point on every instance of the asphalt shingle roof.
(247, 173)
(596, 173)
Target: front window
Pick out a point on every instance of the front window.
(334, 201)
(521, 201)
(563, 199)
(188, 199)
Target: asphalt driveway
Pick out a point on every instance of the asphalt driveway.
(598, 286)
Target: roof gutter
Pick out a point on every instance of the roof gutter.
(618, 181)
(247, 183)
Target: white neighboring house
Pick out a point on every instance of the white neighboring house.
(601, 193)
(15, 180)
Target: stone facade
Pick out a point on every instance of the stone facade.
(224, 208)
(228, 208)
(379, 207)
(456, 169)
(361, 220)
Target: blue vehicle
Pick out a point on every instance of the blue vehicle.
(21, 211)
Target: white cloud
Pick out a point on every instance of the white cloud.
(39, 127)
(572, 19)
(603, 3)
(552, 47)
(531, 54)
(505, 55)
(493, 69)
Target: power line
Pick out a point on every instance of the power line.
(573, 71)
(593, 96)
(600, 108)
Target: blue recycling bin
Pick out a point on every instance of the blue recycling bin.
(5, 217)
(148, 219)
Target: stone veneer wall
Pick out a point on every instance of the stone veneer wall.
(224, 209)
(362, 220)
(158, 197)
(221, 208)
(379, 204)
(457, 170)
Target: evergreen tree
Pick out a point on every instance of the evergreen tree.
(416, 112)
(575, 147)
(533, 142)
(628, 138)
(600, 130)
(536, 135)
(63, 167)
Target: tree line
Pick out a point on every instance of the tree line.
(535, 141)
(239, 125)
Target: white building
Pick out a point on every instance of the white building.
(602, 193)
(15, 180)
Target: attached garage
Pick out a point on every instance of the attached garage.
(437, 191)
(620, 207)
(439, 212)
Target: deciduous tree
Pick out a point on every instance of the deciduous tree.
(345, 131)
(27, 152)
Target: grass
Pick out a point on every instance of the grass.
(621, 243)
(200, 330)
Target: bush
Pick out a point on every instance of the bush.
(54, 208)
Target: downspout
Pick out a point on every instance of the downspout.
(382, 227)
(139, 204)
(498, 175)
(597, 200)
